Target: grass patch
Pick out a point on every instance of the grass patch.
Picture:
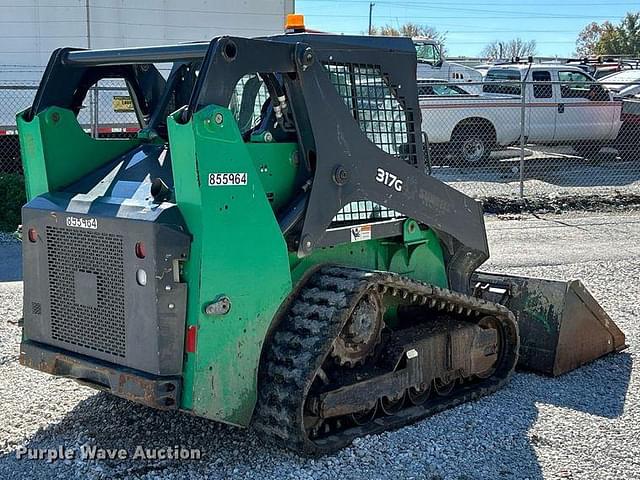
(12, 197)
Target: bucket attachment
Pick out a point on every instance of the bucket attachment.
(561, 325)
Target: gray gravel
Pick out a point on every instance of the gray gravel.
(583, 425)
(10, 259)
(547, 170)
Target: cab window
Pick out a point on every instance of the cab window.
(427, 53)
(247, 101)
(574, 84)
(502, 81)
(447, 90)
(540, 89)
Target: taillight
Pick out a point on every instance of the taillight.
(191, 339)
(32, 234)
(141, 250)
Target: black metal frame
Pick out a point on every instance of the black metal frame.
(342, 164)
(65, 84)
(154, 391)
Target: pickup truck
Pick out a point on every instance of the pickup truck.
(562, 105)
(628, 141)
(625, 84)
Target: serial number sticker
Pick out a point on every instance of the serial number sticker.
(227, 179)
(78, 222)
(360, 233)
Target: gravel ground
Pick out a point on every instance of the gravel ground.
(10, 258)
(584, 425)
(547, 170)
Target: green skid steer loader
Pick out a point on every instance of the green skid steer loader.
(267, 250)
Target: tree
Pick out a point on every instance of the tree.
(588, 39)
(623, 39)
(510, 49)
(610, 39)
(410, 30)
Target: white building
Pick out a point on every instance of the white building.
(31, 29)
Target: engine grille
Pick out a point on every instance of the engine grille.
(92, 316)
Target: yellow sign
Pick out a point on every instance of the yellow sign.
(122, 103)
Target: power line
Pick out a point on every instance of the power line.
(500, 15)
(476, 11)
(392, 3)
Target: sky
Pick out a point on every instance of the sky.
(471, 24)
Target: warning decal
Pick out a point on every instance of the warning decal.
(360, 233)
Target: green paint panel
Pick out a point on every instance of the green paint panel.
(57, 152)
(277, 165)
(422, 260)
(238, 251)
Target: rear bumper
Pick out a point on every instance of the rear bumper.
(158, 392)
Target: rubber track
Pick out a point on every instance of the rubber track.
(303, 339)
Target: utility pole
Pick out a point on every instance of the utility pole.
(87, 7)
(371, 5)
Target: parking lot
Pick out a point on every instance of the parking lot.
(583, 425)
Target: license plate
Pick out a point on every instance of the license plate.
(80, 222)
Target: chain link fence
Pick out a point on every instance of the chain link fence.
(13, 98)
(499, 138)
(563, 135)
(106, 112)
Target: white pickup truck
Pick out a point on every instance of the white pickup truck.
(562, 104)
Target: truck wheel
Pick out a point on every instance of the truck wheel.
(469, 147)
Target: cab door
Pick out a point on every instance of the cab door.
(541, 107)
(585, 109)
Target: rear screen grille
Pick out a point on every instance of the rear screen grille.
(86, 289)
(380, 113)
(376, 107)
